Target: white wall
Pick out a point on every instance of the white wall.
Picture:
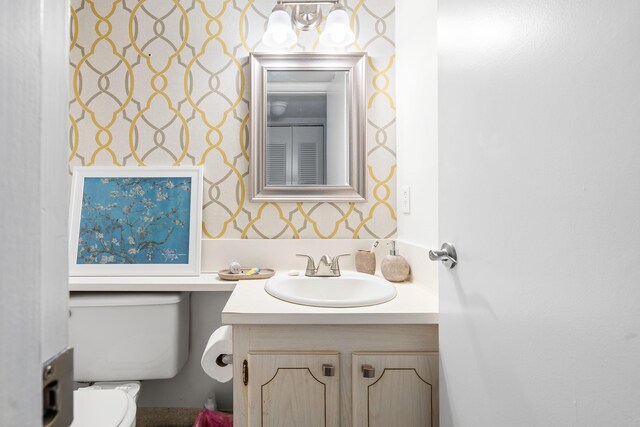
(417, 119)
(540, 191)
(33, 195)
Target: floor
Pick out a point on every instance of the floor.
(166, 417)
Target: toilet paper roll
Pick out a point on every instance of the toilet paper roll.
(219, 343)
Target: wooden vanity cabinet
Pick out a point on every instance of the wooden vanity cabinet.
(293, 389)
(394, 389)
(335, 375)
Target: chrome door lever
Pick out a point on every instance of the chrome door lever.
(446, 254)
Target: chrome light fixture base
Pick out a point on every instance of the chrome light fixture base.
(306, 17)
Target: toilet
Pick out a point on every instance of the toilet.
(118, 339)
(103, 408)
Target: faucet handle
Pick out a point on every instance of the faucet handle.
(334, 263)
(311, 267)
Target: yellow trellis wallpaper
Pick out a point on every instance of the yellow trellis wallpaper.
(165, 82)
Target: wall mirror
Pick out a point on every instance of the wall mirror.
(308, 119)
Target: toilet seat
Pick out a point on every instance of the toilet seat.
(103, 408)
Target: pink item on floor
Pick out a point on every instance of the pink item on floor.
(209, 418)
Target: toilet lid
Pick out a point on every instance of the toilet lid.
(102, 408)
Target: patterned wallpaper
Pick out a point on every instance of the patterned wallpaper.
(165, 82)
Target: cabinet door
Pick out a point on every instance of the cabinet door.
(397, 389)
(293, 390)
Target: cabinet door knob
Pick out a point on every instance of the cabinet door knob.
(328, 370)
(368, 371)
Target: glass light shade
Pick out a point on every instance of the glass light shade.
(337, 32)
(279, 33)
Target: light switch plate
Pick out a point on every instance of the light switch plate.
(405, 199)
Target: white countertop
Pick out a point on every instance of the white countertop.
(209, 282)
(251, 304)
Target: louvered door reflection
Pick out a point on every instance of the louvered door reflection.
(295, 155)
(278, 158)
(293, 390)
(308, 155)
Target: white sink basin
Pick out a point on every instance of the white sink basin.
(349, 290)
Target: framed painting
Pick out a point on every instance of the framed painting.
(143, 221)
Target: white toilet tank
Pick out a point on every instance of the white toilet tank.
(129, 335)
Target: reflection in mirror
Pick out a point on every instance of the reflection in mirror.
(307, 122)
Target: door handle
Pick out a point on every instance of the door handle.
(368, 371)
(328, 370)
(447, 254)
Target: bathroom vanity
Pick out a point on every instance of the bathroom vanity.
(370, 365)
(362, 366)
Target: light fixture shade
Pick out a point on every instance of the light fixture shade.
(337, 32)
(279, 33)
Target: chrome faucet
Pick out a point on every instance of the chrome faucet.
(327, 266)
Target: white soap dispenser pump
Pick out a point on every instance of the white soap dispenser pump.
(395, 267)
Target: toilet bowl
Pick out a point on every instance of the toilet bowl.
(122, 336)
(103, 408)
(106, 404)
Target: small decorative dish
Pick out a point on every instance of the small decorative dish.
(264, 273)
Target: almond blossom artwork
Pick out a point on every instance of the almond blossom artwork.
(137, 220)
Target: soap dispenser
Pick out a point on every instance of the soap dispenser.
(394, 267)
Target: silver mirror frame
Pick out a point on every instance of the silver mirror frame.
(355, 64)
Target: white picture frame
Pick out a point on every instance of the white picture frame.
(133, 221)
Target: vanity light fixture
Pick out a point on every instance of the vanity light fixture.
(306, 16)
(279, 32)
(337, 32)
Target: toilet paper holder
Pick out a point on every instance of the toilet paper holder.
(224, 360)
